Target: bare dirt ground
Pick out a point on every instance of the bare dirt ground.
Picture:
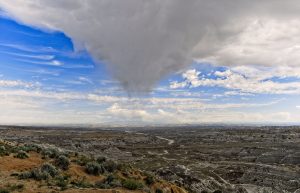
(228, 159)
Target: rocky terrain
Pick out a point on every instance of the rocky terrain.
(200, 159)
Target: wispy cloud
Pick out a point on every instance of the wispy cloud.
(29, 48)
(41, 71)
(48, 63)
(77, 66)
(18, 83)
(80, 81)
(85, 80)
(35, 56)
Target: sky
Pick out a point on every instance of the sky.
(144, 63)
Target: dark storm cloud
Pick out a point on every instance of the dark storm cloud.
(142, 41)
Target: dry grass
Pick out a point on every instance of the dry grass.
(9, 163)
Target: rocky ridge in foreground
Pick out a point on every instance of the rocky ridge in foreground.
(32, 168)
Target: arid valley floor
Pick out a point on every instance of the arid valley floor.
(200, 159)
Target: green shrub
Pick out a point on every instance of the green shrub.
(2, 148)
(4, 191)
(102, 185)
(30, 147)
(62, 162)
(54, 153)
(25, 175)
(112, 181)
(4, 151)
(94, 168)
(109, 182)
(149, 180)
(110, 166)
(19, 187)
(62, 182)
(21, 155)
(132, 184)
(15, 187)
(124, 167)
(50, 153)
(217, 191)
(45, 154)
(68, 153)
(81, 183)
(83, 160)
(50, 169)
(101, 160)
(38, 175)
(35, 174)
(115, 183)
(158, 190)
(109, 179)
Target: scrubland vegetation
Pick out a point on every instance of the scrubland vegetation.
(60, 170)
(200, 159)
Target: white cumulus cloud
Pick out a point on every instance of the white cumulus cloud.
(257, 82)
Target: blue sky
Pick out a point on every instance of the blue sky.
(44, 79)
